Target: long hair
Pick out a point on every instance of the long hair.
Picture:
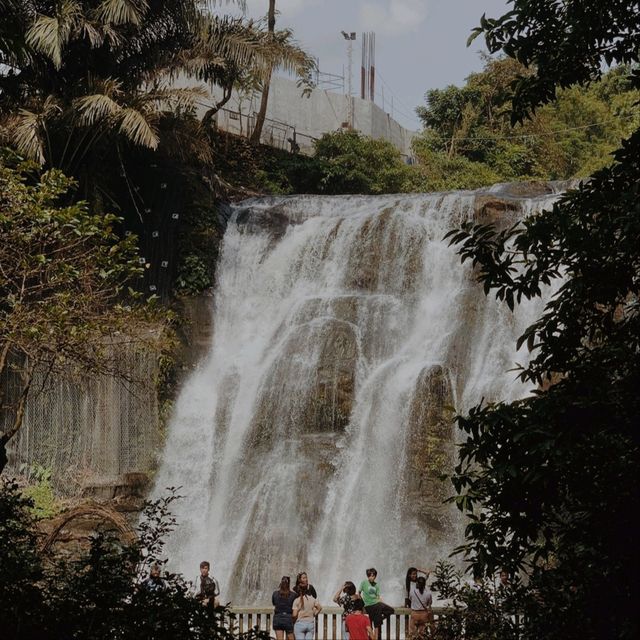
(285, 584)
(421, 583)
(350, 588)
(407, 580)
(299, 577)
(302, 593)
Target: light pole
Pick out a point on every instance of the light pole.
(349, 37)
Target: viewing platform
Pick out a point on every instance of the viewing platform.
(329, 622)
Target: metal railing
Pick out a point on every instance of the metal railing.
(275, 133)
(328, 622)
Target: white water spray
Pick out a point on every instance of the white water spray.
(342, 328)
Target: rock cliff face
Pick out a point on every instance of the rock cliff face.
(320, 422)
(431, 451)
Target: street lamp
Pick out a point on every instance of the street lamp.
(349, 37)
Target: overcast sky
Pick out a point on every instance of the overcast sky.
(420, 44)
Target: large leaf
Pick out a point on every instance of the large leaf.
(122, 11)
(49, 34)
(138, 128)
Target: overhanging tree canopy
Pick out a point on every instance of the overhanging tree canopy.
(550, 482)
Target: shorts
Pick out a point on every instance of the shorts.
(283, 622)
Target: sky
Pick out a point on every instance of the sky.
(420, 44)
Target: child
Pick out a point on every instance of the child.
(357, 623)
(377, 610)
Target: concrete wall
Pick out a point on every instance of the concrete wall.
(321, 112)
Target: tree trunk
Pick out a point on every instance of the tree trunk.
(226, 96)
(11, 431)
(257, 131)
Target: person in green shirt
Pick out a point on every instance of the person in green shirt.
(377, 610)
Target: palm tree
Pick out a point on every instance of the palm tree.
(264, 100)
(81, 72)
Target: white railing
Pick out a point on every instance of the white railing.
(328, 622)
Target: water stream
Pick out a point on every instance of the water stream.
(312, 435)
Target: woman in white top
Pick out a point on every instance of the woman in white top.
(421, 612)
(305, 609)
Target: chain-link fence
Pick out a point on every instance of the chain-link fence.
(89, 430)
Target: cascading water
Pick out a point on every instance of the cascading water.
(314, 434)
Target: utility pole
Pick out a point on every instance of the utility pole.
(349, 37)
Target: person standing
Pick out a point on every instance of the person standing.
(305, 608)
(421, 600)
(282, 599)
(358, 624)
(206, 588)
(154, 583)
(410, 580)
(302, 580)
(377, 610)
(346, 597)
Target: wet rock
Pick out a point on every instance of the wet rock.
(490, 209)
(274, 221)
(331, 397)
(531, 189)
(308, 391)
(386, 256)
(430, 450)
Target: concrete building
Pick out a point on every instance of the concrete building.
(292, 116)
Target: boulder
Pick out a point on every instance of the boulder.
(491, 209)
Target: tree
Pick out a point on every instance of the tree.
(264, 99)
(572, 137)
(348, 162)
(84, 75)
(64, 274)
(550, 482)
(98, 594)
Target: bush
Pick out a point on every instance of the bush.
(348, 162)
(482, 611)
(97, 596)
(40, 492)
(443, 173)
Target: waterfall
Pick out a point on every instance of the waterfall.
(313, 435)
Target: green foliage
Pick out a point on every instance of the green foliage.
(550, 482)
(194, 275)
(21, 599)
(98, 595)
(572, 137)
(585, 39)
(482, 611)
(344, 162)
(64, 284)
(40, 493)
(348, 162)
(444, 173)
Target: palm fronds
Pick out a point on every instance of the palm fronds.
(119, 12)
(139, 127)
(27, 129)
(49, 34)
(112, 65)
